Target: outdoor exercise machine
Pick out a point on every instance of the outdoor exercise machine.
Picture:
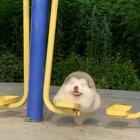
(38, 67)
(34, 63)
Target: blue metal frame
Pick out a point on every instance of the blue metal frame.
(39, 22)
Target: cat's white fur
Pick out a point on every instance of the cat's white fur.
(85, 94)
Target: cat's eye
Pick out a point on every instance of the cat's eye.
(83, 83)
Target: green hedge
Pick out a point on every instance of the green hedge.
(115, 74)
(97, 36)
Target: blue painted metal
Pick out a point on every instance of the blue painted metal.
(39, 22)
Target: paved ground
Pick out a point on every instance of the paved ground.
(101, 127)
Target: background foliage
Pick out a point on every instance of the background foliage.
(97, 36)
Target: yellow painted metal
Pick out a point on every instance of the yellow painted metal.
(16, 103)
(118, 110)
(122, 111)
(48, 69)
(133, 115)
(7, 99)
(66, 104)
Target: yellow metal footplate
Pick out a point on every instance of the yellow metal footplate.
(8, 99)
(68, 106)
(122, 111)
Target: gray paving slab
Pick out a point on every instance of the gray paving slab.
(13, 125)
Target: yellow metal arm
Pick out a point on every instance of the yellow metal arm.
(48, 69)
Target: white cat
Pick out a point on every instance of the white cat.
(79, 87)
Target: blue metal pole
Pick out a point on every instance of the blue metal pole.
(39, 17)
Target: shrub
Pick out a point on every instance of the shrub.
(97, 36)
(10, 68)
(11, 26)
(116, 74)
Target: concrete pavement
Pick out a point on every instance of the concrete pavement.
(100, 127)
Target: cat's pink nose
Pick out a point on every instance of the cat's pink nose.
(75, 88)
